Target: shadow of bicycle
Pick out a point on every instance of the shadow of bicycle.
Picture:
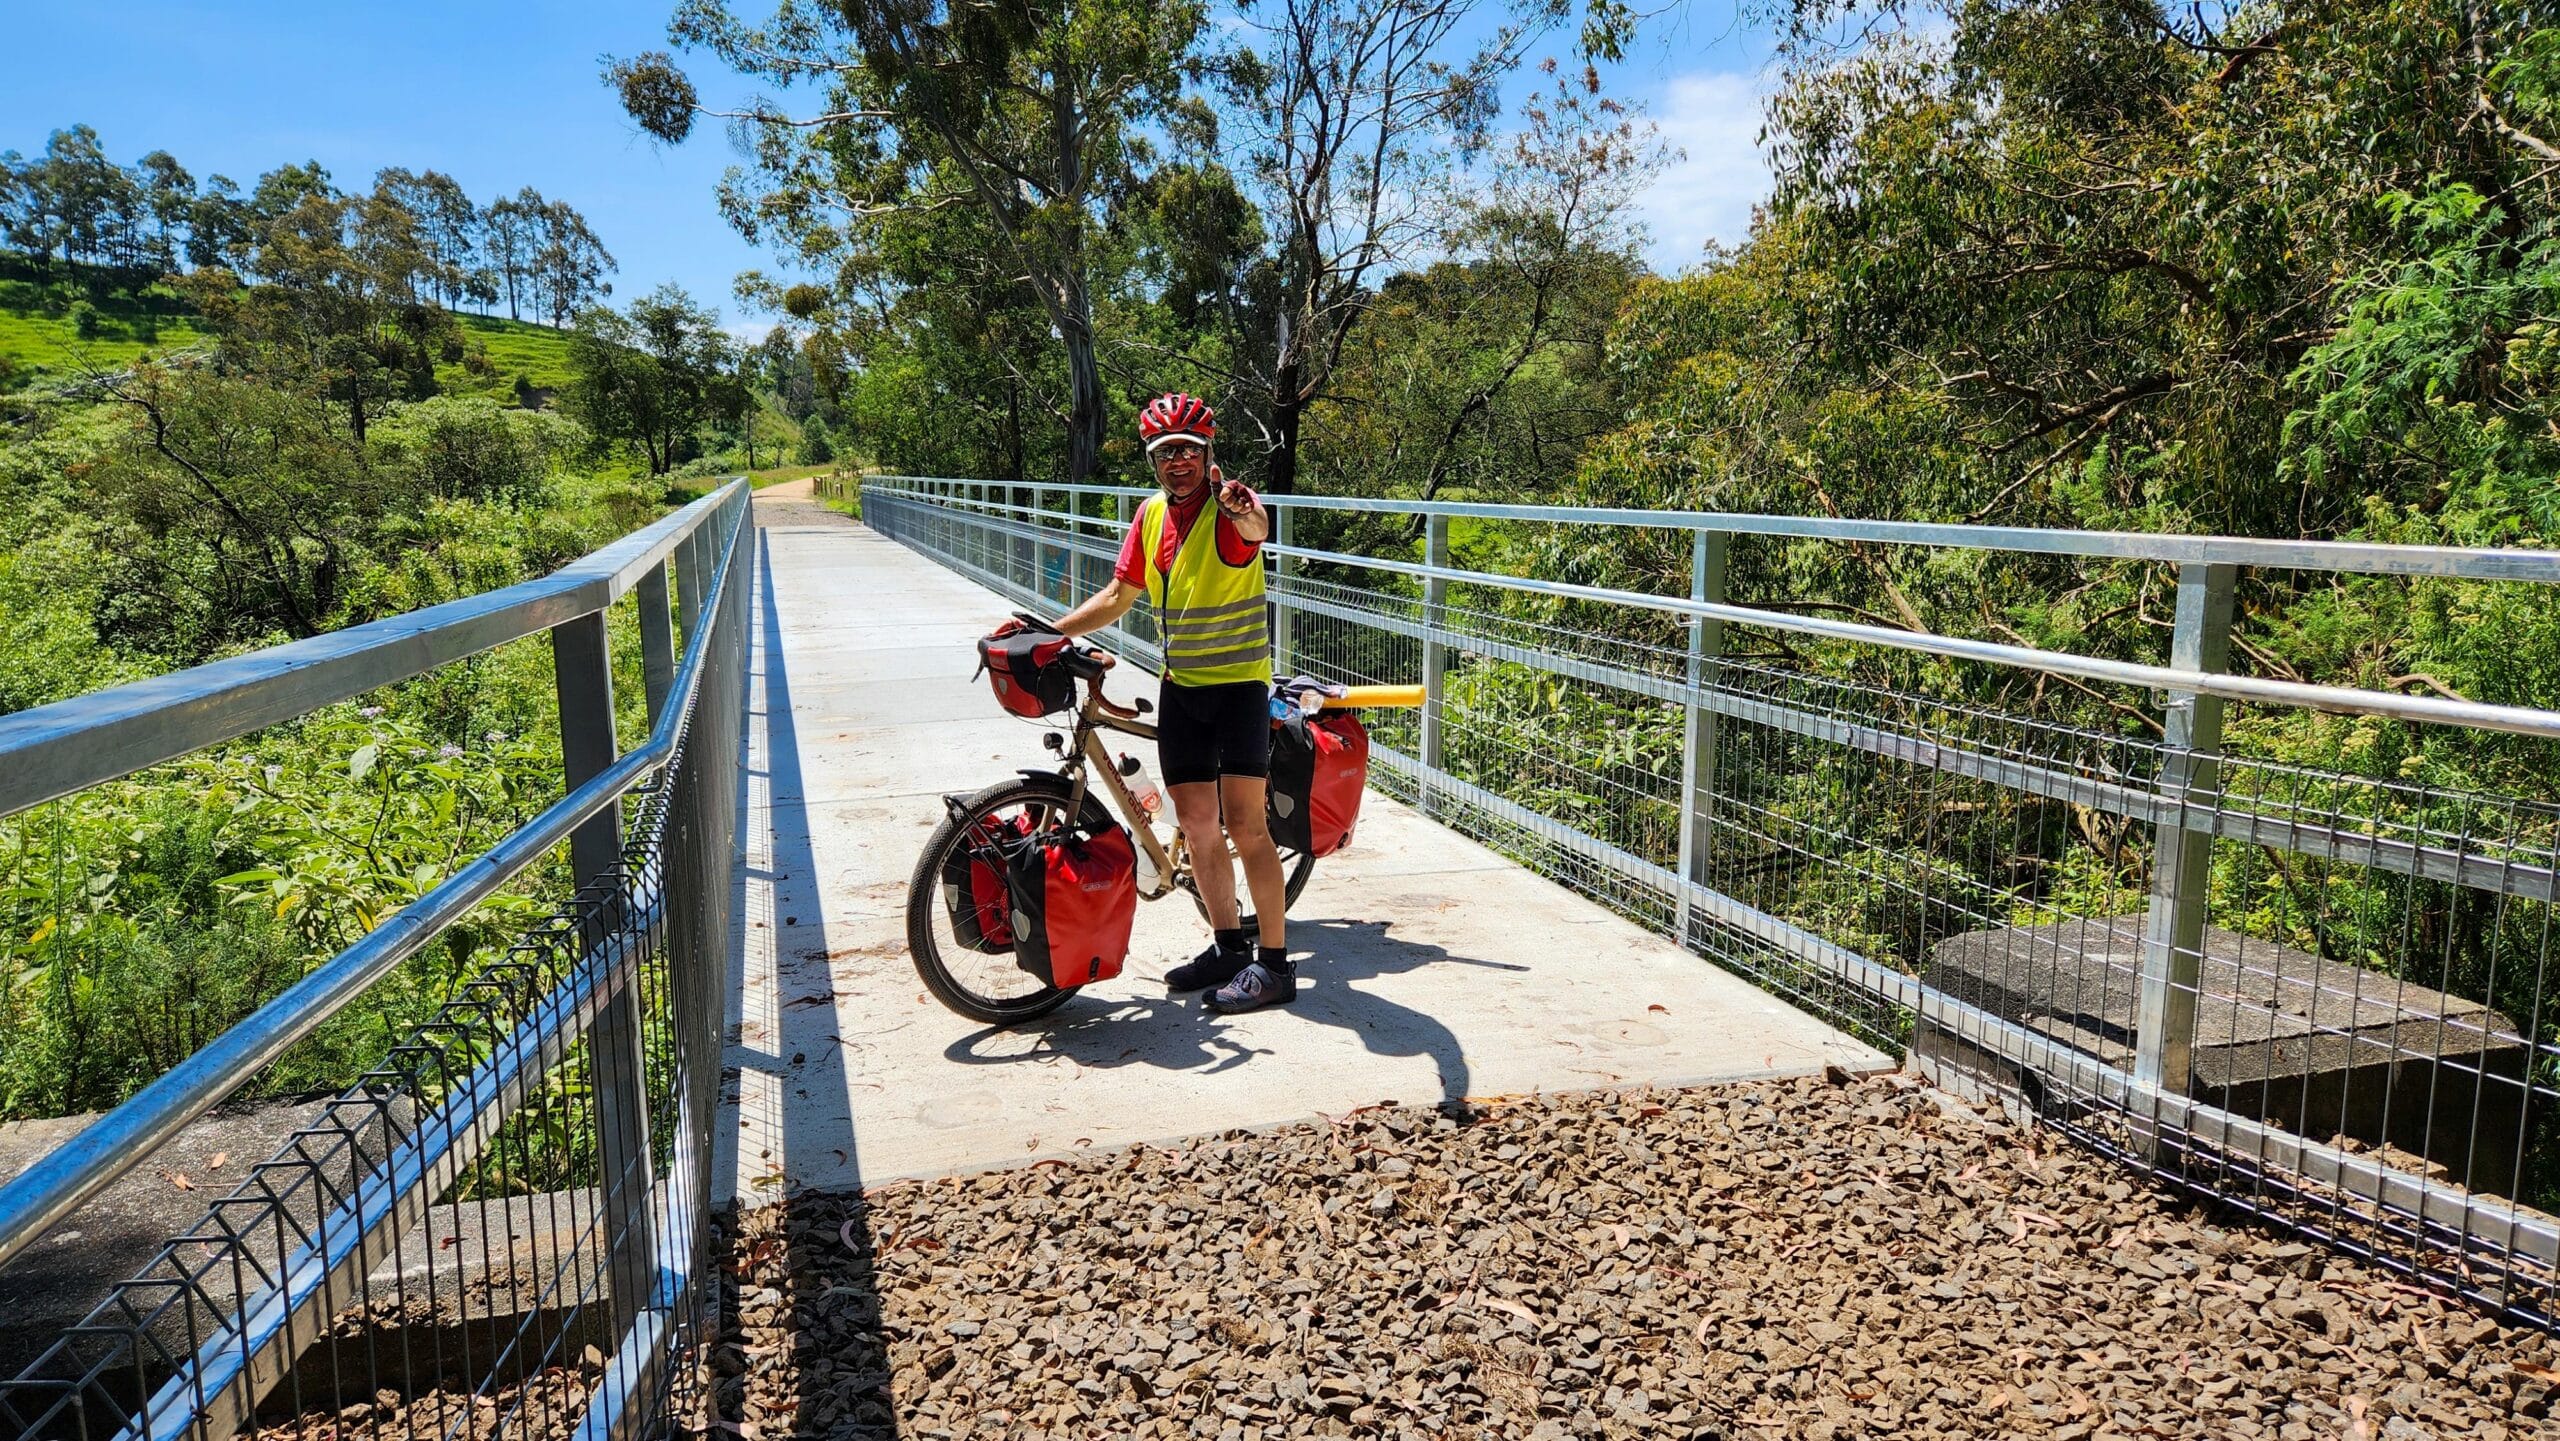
(1178, 1033)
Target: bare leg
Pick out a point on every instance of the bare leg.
(1195, 809)
(1249, 828)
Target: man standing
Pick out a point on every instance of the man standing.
(1195, 553)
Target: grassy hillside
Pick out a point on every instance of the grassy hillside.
(40, 341)
(514, 348)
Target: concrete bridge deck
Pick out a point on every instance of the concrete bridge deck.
(1432, 968)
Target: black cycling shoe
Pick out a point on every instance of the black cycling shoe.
(1213, 967)
(1266, 982)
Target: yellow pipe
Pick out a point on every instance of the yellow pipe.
(1375, 695)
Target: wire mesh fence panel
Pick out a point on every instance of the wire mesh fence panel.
(499, 1225)
(2287, 959)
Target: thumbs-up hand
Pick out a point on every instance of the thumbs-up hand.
(1234, 496)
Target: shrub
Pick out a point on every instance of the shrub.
(814, 446)
(84, 319)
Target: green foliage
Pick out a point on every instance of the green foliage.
(471, 449)
(2446, 362)
(190, 512)
(300, 473)
(116, 957)
(74, 209)
(501, 355)
(654, 375)
(141, 919)
(814, 447)
(363, 813)
(988, 148)
(51, 590)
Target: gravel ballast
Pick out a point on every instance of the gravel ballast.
(1800, 1259)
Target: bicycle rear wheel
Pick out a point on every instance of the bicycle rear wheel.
(983, 985)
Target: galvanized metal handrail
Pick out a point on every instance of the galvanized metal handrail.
(2344, 700)
(116, 1142)
(2346, 557)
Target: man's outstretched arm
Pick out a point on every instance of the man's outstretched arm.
(1104, 608)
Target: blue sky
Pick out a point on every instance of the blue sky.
(506, 95)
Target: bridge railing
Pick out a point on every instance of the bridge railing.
(2282, 944)
(502, 1224)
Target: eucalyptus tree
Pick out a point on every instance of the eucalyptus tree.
(1350, 118)
(1031, 116)
(653, 374)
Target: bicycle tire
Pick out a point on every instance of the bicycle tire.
(925, 906)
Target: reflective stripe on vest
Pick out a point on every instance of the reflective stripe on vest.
(1210, 614)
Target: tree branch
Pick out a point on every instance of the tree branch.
(2103, 406)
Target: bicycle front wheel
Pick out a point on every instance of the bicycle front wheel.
(978, 981)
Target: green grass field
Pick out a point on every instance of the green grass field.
(41, 344)
(515, 348)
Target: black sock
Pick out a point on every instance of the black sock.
(1275, 958)
(1231, 939)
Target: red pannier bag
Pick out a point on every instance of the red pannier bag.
(1074, 897)
(1319, 767)
(1026, 662)
(974, 889)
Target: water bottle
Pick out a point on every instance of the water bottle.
(1142, 786)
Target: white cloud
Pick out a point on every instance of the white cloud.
(1713, 119)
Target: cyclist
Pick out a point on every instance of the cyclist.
(1195, 553)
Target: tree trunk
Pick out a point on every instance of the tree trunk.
(1085, 401)
(1280, 471)
(1013, 429)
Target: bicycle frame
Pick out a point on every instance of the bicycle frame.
(1087, 757)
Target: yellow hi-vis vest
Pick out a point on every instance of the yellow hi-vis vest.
(1210, 613)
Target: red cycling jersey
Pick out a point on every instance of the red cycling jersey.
(1233, 548)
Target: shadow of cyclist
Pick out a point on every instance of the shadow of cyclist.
(1177, 1033)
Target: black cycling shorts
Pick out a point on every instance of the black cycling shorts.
(1207, 731)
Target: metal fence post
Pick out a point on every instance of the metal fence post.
(1698, 729)
(582, 672)
(1435, 596)
(2182, 853)
(1039, 521)
(1284, 616)
(689, 552)
(1019, 566)
(657, 639)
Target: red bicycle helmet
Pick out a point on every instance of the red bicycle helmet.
(1176, 417)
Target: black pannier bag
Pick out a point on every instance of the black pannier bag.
(974, 889)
